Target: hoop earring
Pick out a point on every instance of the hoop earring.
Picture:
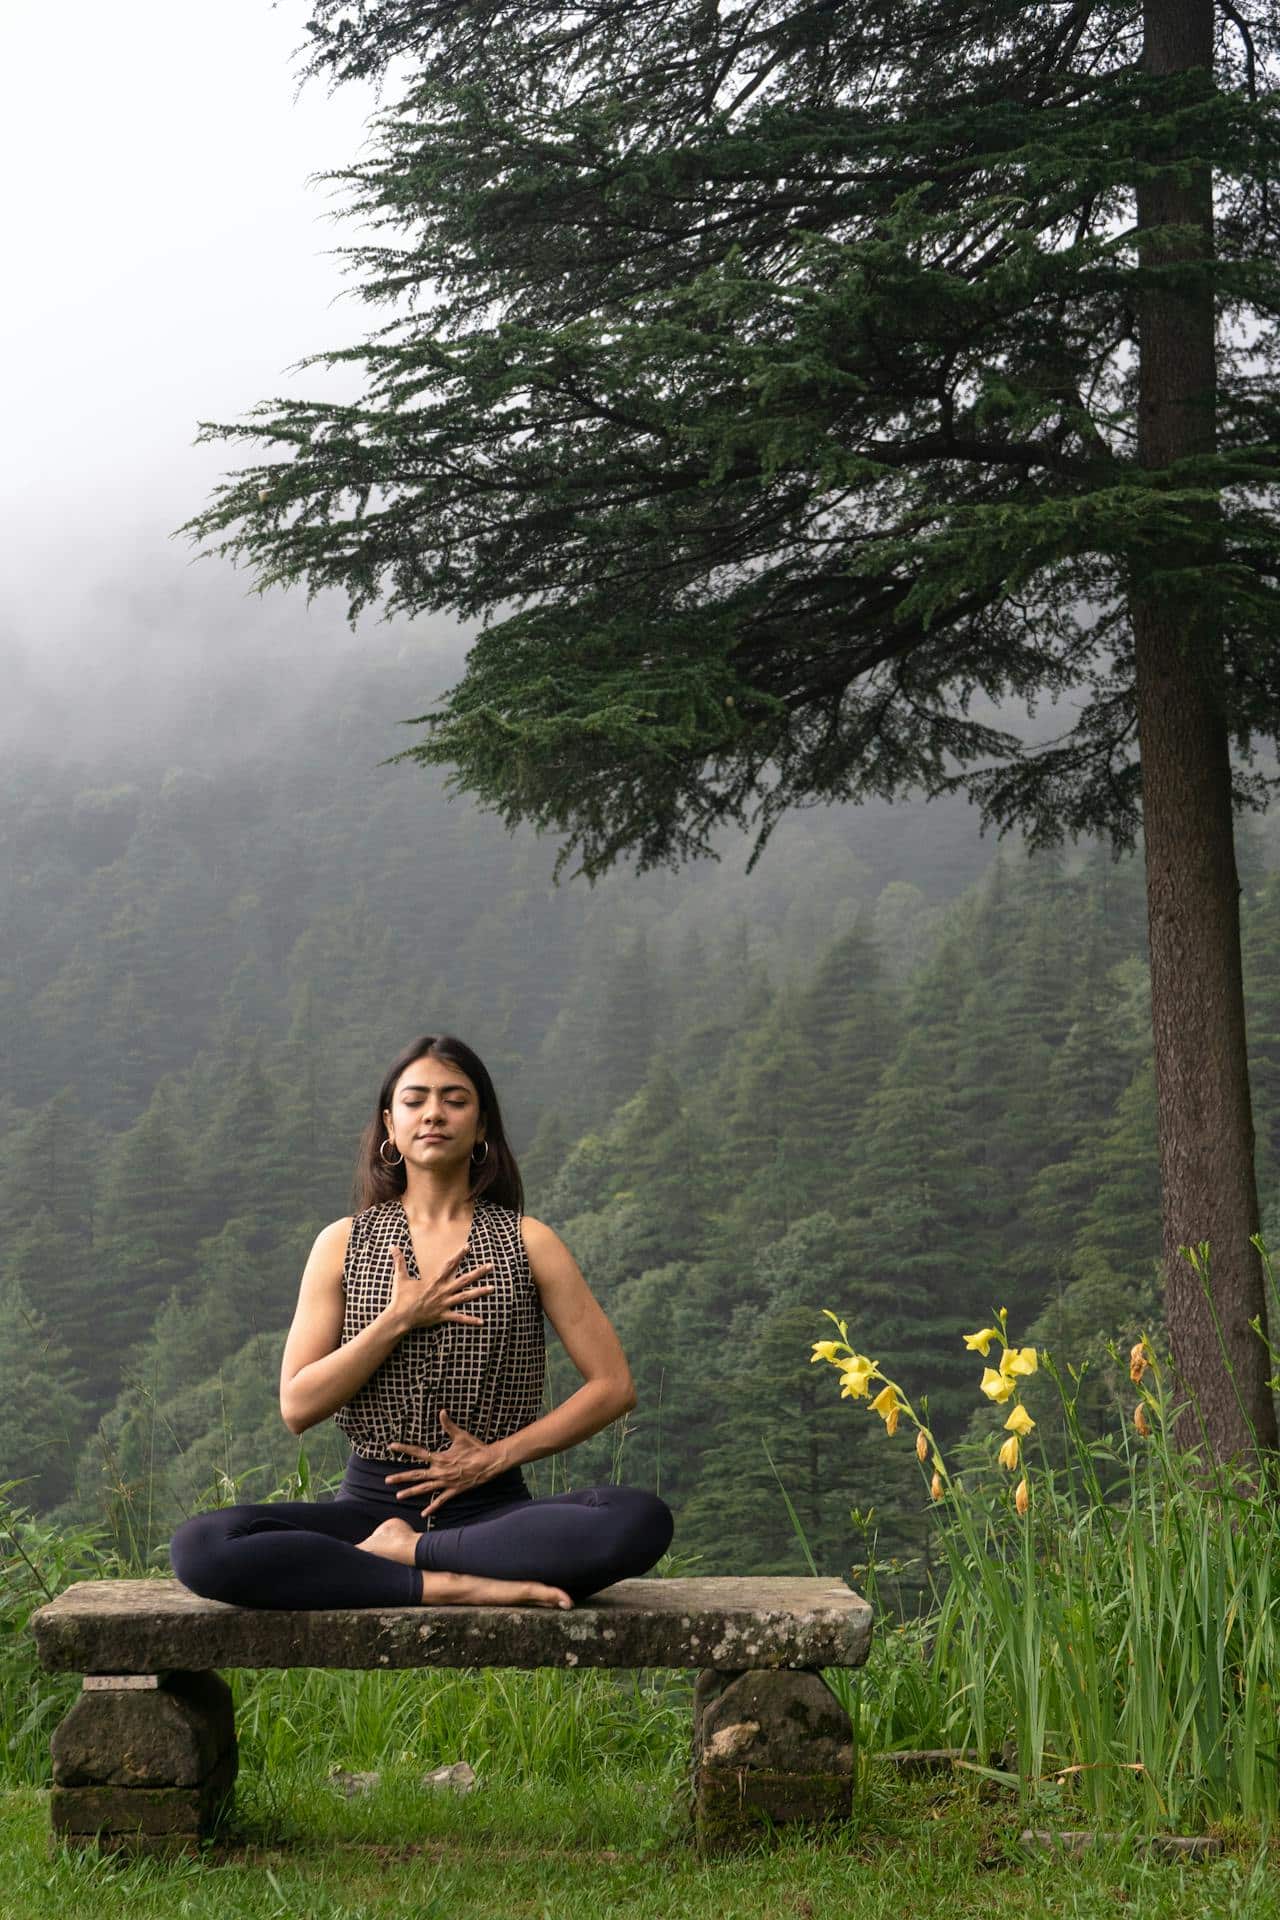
(399, 1161)
(484, 1156)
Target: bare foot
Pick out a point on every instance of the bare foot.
(473, 1590)
(393, 1540)
(396, 1540)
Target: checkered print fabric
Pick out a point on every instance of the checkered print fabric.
(488, 1378)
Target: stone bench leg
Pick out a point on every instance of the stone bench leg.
(767, 1747)
(144, 1763)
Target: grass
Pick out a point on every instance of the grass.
(1118, 1629)
(613, 1842)
(1111, 1623)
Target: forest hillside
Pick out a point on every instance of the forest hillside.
(898, 1070)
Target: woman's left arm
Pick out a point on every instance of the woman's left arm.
(607, 1388)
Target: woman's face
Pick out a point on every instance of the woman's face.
(434, 1116)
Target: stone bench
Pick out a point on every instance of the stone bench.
(145, 1761)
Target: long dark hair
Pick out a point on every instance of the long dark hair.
(496, 1177)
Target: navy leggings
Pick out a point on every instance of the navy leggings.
(302, 1553)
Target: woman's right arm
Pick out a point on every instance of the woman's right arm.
(317, 1373)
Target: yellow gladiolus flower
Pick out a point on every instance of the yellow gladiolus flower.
(979, 1342)
(855, 1377)
(1138, 1361)
(825, 1350)
(1019, 1421)
(935, 1487)
(998, 1386)
(1009, 1453)
(1018, 1360)
(888, 1406)
(1022, 1499)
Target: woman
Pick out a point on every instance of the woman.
(429, 1355)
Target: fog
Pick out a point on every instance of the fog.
(169, 262)
(172, 259)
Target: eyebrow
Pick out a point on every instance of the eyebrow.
(453, 1087)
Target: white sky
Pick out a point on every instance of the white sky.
(167, 261)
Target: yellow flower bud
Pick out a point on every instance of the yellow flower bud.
(1009, 1453)
(888, 1406)
(1140, 1420)
(935, 1486)
(1137, 1361)
(922, 1446)
(1022, 1499)
(979, 1342)
(998, 1386)
(1019, 1421)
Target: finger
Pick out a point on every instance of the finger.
(449, 1424)
(474, 1273)
(439, 1501)
(465, 1319)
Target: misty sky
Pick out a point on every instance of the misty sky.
(168, 260)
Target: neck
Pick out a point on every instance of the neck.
(436, 1198)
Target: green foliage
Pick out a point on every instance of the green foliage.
(772, 381)
(39, 1408)
(1111, 1627)
(973, 1130)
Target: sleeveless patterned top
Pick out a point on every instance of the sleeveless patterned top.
(489, 1379)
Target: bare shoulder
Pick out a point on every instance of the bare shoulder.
(537, 1234)
(336, 1237)
(328, 1256)
(549, 1258)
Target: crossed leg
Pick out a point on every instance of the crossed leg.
(334, 1553)
(305, 1554)
(582, 1541)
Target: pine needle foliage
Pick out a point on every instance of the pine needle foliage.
(764, 379)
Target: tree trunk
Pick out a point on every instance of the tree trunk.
(1193, 916)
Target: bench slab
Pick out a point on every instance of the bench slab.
(720, 1624)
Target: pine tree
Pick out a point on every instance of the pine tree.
(921, 1252)
(901, 925)
(543, 1158)
(846, 362)
(241, 1147)
(667, 1168)
(41, 1402)
(849, 1018)
(146, 1228)
(45, 1169)
(774, 1160)
(57, 1272)
(772, 1400)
